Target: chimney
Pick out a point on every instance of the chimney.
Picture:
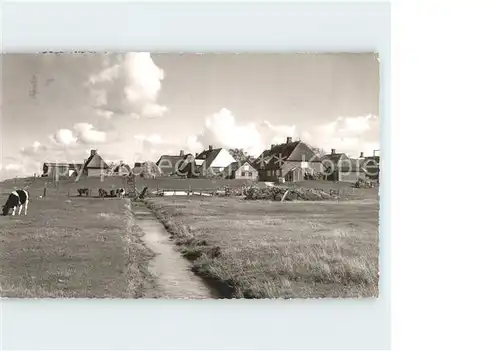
(196, 155)
(210, 147)
(93, 152)
(288, 140)
(272, 146)
(181, 153)
(361, 155)
(333, 151)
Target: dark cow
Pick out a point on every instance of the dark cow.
(16, 199)
(83, 191)
(121, 193)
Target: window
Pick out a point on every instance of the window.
(243, 174)
(304, 164)
(249, 174)
(268, 173)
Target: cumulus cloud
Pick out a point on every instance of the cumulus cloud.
(129, 87)
(222, 130)
(351, 135)
(87, 134)
(82, 133)
(35, 148)
(63, 137)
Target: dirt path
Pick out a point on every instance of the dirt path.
(173, 271)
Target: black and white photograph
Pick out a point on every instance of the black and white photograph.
(190, 175)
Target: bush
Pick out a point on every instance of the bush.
(276, 193)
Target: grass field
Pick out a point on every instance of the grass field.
(108, 183)
(88, 247)
(67, 247)
(263, 249)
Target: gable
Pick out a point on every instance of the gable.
(95, 161)
(302, 152)
(222, 159)
(334, 159)
(247, 167)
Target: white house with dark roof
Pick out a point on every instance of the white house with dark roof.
(212, 161)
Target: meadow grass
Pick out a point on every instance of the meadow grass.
(264, 249)
(67, 247)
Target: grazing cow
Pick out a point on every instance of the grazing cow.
(120, 192)
(83, 191)
(16, 199)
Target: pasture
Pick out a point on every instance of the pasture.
(265, 249)
(72, 247)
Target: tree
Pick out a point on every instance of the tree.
(239, 154)
(318, 151)
(150, 170)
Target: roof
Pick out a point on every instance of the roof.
(117, 167)
(95, 161)
(335, 158)
(64, 164)
(207, 156)
(352, 165)
(168, 163)
(297, 151)
(371, 161)
(234, 166)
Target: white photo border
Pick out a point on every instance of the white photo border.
(220, 324)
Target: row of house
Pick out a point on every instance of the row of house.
(290, 161)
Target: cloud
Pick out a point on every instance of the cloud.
(63, 137)
(87, 134)
(351, 135)
(14, 167)
(129, 87)
(82, 133)
(222, 130)
(35, 148)
(153, 139)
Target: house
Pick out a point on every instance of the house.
(171, 165)
(212, 162)
(137, 170)
(122, 169)
(241, 170)
(94, 166)
(339, 167)
(64, 169)
(293, 161)
(371, 167)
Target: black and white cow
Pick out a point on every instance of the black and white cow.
(16, 199)
(121, 193)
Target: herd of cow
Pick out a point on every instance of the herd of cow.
(18, 199)
(120, 192)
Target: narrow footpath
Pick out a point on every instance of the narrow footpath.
(172, 270)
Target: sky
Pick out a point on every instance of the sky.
(138, 106)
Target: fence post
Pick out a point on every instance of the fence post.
(45, 190)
